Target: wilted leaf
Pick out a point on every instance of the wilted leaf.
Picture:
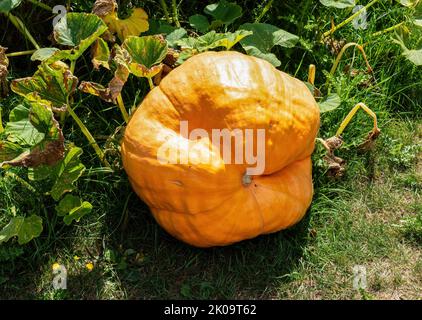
(24, 228)
(332, 102)
(10, 150)
(146, 54)
(4, 64)
(43, 54)
(223, 12)
(72, 208)
(132, 26)
(339, 4)
(67, 172)
(199, 22)
(100, 54)
(97, 89)
(7, 5)
(264, 38)
(103, 8)
(51, 85)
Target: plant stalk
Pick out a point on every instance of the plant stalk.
(264, 11)
(122, 108)
(1, 122)
(351, 114)
(175, 13)
(20, 53)
(41, 5)
(166, 10)
(311, 74)
(379, 33)
(349, 19)
(88, 135)
(22, 28)
(72, 66)
(151, 84)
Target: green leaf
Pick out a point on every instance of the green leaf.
(264, 38)
(25, 229)
(67, 172)
(332, 102)
(199, 22)
(175, 36)
(79, 31)
(413, 55)
(43, 54)
(10, 151)
(224, 12)
(339, 4)
(51, 85)
(100, 54)
(8, 5)
(231, 38)
(159, 27)
(146, 54)
(72, 208)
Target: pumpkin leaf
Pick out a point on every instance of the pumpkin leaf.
(339, 4)
(36, 135)
(8, 5)
(146, 54)
(231, 38)
(25, 229)
(72, 208)
(66, 172)
(51, 85)
(10, 150)
(223, 12)
(199, 22)
(175, 36)
(100, 54)
(43, 54)
(413, 55)
(159, 27)
(79, 31)
(331, 103)
(264, 38)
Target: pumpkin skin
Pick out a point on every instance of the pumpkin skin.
(209, 204)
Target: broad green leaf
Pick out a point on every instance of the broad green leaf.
(408, 3)
(36, 134)
(417, 17)
(264, 38)
(79, 31)
(159, 27)
(175, 36)
(72, 208)
(199, 22)
(212, 40)
(43, 54)
(20, 130)
(231, 38)
(224, 12)
(146, 54)
(100, 54)
(25, 229)
(7, 5)
(413, 55)
(339, 4)
(51, 85)
(67, 172)
(332, 102)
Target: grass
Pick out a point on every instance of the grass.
(370, 217)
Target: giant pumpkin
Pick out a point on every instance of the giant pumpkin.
(216, 202)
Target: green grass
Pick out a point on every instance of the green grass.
(371, 216)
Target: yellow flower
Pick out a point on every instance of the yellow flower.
(55, 266)
(76, 258)
(89, 266)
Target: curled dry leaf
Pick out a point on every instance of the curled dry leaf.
(336, 165)
(370, 139)
(103, 8)
(100, 54)
(4, 64)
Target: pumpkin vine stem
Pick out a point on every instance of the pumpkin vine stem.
(175, 13)
(165, 10)
(351, 114)
(41, 5)
(340, 55)
(349, 19)
(88, 135)
(264, 11)
(20, 53)
(311, 74)
(22, 29)
(151, 84)
(122, 108)
(1, 122)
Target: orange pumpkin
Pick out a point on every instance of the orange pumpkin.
(216, 203)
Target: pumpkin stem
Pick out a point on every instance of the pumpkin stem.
(246, 179)
(351, 114)
(165, 10)
(311, 74)
(122, 108)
